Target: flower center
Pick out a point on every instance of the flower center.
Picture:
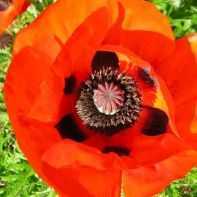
(109, 101)
(108, 98)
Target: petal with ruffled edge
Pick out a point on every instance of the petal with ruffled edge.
(143, 15)
(70, 165)
(154, 178)
(179, 71)
(22, 85)
(33, 84)
(61, 19)
(150, 46)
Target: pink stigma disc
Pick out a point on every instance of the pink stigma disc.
(108, 98)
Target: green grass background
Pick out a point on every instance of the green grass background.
(17, 179)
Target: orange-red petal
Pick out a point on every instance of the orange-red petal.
(25, 76)
(193, 42)
(153, 179)
(76, 54)
(70, 165)
(179, 71)
(34, 83)
(143, 15)
(61, 19)
(6, 16)
(130, 64)
(150, 46)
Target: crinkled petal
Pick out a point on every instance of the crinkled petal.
(70, 165)
(150, 46)
(23, 82)
(75, 61)
(61, 19)
(34, 83)
(179, 71)
(81, 46)
(154, 178)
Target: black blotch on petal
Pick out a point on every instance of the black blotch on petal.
(145, 76)
(68, 129)
(119, 150)
(105, 59)
(4, 4)
(157, 122)
(70, 83)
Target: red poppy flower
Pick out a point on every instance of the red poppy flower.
(9, 9)
(103, 100)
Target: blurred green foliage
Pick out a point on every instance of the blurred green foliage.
(17, 179)
(182, 14)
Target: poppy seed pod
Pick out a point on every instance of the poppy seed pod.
(103, 99)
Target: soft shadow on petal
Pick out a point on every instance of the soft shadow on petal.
(34, 88)
(150, 46)
(25, 74)
(179, 71)
(154, 178)
(76, 55)
(61, 19)
(71, 165)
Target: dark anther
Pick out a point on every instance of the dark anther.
(121, 151)
(68, 129)
(4, 4)
(105, 59)
(70, 83)
(5, 40)
(145, 76)
(157, 122)
(122, 111)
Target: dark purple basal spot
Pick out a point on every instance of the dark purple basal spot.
(145, 76)
(70, 84)
(68, 129)
(119, 150)
(4, 4)
(105, 59)
(156, 123)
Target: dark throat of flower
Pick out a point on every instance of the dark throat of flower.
(109, 100)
